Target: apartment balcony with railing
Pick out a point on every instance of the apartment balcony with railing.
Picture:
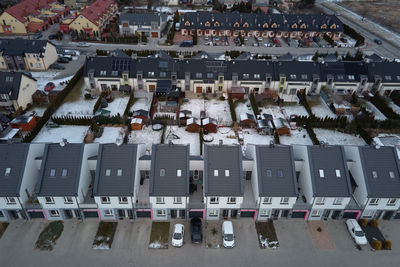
(142, 199)
(249, 201)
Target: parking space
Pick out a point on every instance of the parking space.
(293, 235)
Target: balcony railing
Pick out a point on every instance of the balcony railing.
(196, 206)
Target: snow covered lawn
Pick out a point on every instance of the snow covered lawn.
(78, 107)
(298, 110)
(395, 107)
(73, 134)
(322, 110)
(118, 105)
(141, 103)
(185, 138)
(146, 136)
(251, 136)
(378, 115)
(110, 135)
(296, 138)
(215, 109)
(226, 134)
(242, 108)
(285, 111)
(333, 137)
(43, 78)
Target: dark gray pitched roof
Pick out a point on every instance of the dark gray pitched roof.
(19, 46)
(59, 157)
(141, 19)
(168, 159)
(388, 72)
(329, 159)
(221, 158)
(10, 83)
(12, 156)
(113, 157)
(343, 71)
(271, 162)
(297, 71)
(375, 58)
(382, 161)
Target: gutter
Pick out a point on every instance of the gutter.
(23, 209)
(79, 209)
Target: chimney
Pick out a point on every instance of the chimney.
(134, 56)
(63, 142)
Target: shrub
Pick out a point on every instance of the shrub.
(328, 39)
(376, 244)
(381, 104)
(254, 104)
(373, 223)
(214, 231)
(232, 107)
(363, 222)
(332, 107)
(319, 229)
(222, 98)
(387, 244)
(353, 34)
(98, 102)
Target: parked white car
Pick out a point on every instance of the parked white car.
(177, 235)
(228, 236)
(83, 44)
(356, 232)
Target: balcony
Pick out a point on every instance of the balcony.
(143, 200)
(196, 197)
(353, 205)
(249, 201)
(32, 204)
(88, 201)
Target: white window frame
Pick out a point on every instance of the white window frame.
(11, 201)
(105, 200)
(216, 200)
(368, 213)
(108, 213)
(316, 213)
(161, 213)
(56, 213)
(320, 201)
(267, 200)
(265, 213)
(338, 201)
(160, 200)
(231, 200)
(177, 200)
(123, 200)
(392, 202)
(373, 201)
(49, 200)
(213, 213)
(68, 200)
(284, 201)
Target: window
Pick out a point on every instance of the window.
(292, 76)
(105, 200)
(163, 74)
(338, 201)
(7, 172)
(161, 213)
(108, 172)
(114, 73)
(387, 77)
(68, 200)
(221, 79)
(1, 214)
(340, 77)
(267, 200)
(214, 200)
(151, 73)
(119, 172)
(199, 75)
(213, 213)
(391, 202)
(64, 172)
(215, 172)
(391, 174)
(265, 213)
(52, 172)
(49, 200)
(316, 213)
(179, 172)
(351, 77)
(108, 212)
(257, 76)
(54, 213)
(269, 173)
(209, 75)
(160, 200)
(246, 76)
(374, 174)
(374, 201)
(321, 173)
(284, 200)
(320, 201)
(280, 173)
(123, 200)
(304, 76)
(231, 200)
(338, 174)
(162, 172)
(10, 200)
(103, 73)
(177, 200)
(226, 173)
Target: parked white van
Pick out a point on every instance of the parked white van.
(228, 236)
(356, 232)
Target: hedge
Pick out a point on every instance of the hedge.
(324, 123)
(54, 105)
(353, 34)
(381, 104)
(98, 102)
(201, 141)
(365, 135)
(312, 135)
(254, 105)
(328, 39)
(232, 107)
(332, 107)
(131, 101)
(276, 138)
(304, 102)
(70, 120)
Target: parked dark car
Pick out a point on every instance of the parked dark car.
(57, 67)
(186, 43)
(52, 36)
(62, 60)
(316, 39)
(378, 41)
(196, 231)
(37, 35)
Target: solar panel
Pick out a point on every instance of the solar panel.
(163, 64)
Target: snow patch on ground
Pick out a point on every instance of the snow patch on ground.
(387, 139)
(337, 138)
(101, 247)
(118, 105)
(110, 135)
(296, 138)
(73, 134)
(395, 107)
(322, 110)
(215, 109)
(141, 103)
(185, 138)
(378, 115)
(43, 78)
(226, 134)
(156, 244)
(146, 136)
(251, 136)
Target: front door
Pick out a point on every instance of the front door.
(336, 214)
(130, 214)
(275, 214)
(182, 214)
(388, 215)
(173, 213)
(225, 213)
(234, 213)
(121, 214)
(68, 214)
(326, 214)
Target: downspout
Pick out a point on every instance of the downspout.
(79, 209)
(23, 209)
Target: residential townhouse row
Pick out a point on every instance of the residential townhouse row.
(111, 182)
(296, 26)
(205, 75)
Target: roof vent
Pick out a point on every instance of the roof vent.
(170, 143)
(377, 146)
(118, 141)
(221, 142)
(271, 144)
(63, 142)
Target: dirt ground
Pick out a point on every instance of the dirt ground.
(212, 234)
(384, 12)
(320, 236)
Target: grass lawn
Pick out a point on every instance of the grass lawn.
(105, 235)
(49, 235)
(3, 227)
(267, 234)
(159, 235)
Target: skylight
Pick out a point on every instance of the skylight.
(269, 173)
(374, 174)
(119, 172)
(52, 172)
(64, 172)
(215, 172)
(391, 174)
(179, 172)
(338, 174)
(108, 172)
(321, 173)
(162, 172)
(227, 173)
(7, 172)
(280, 173)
